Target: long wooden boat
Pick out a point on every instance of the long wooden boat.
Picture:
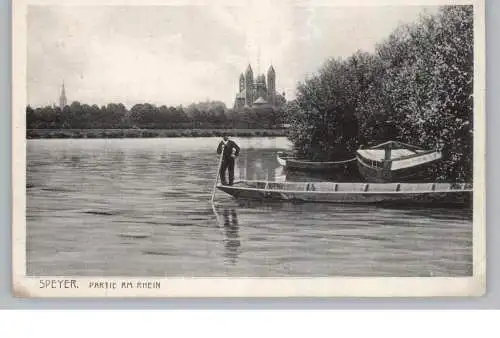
(396, 162)
(394, 194)
(292, 163)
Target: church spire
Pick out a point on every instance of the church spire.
(258, 59)
(62, 99)
(271, 85)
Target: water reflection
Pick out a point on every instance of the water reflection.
(75, 161)
(261, 164)
(109, 186)
(117, 157)
(258, 164)
(231, 235)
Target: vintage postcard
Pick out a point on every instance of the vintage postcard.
(248, 148)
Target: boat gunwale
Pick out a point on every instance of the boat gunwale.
(318, 163)
(294, 160)
(345, 192)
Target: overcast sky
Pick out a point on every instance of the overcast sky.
(179, 55)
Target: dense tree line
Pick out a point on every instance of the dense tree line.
(417, 87)
(203, 115)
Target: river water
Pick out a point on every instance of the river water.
(141, 207)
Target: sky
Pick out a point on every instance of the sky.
(177, 55)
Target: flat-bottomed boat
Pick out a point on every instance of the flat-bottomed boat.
(429, 194)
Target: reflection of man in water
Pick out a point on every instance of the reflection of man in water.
(231, 241)
(231, 151)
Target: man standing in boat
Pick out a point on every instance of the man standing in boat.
(230, 151)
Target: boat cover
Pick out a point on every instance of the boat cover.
(379, 154)
(396, 154)
(415, 161)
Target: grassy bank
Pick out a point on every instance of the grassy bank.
(148, 133)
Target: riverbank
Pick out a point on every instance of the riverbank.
(149, 133)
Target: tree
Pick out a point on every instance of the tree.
(430, 82)
(323, 123)
(416, 88)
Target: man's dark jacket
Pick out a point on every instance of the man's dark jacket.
(228, 149)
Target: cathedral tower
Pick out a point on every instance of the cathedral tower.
(242, 82)
(260, 84)
(271, 85)
(62, 99)
(249, 86)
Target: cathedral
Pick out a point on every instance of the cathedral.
(257, 93)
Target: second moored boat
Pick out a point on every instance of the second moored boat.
(396, 162)
(292, 163)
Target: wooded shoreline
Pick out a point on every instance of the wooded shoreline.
(149, 133)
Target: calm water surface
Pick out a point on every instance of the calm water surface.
(141, 207)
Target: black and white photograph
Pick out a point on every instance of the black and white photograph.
(248, 148)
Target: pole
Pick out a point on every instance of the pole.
(217, 174)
